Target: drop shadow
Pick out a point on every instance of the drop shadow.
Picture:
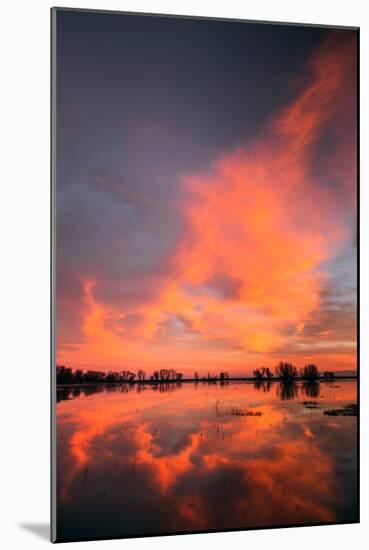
(42, 530)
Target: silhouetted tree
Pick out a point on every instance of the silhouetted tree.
(263, 373)
(163, 374)
(286, 371)
(78, 376)
(64, 375)
(112, 377)
(123, 376)
(93, 377)
(310, 372)
(259, 373)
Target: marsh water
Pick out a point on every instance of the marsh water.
(153, 459)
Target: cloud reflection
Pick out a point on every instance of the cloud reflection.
(151, 463)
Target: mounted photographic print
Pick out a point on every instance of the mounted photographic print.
(204, 275)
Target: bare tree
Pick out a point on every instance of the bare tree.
(131, 376)
(259, 373)
(141, 374)
(286, 371)
(310, 372)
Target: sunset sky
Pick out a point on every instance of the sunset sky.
(206, 194)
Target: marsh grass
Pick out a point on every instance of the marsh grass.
(234, 410)
(348, 410)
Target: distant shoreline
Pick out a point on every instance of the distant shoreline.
(210, 381)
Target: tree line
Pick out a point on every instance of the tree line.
(284, 371)
(66, 375)
(288, 372)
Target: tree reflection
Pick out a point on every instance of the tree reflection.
(263, 385)
(91, 390)
(287, 390)
(164, 387)
(311, 389)
(62, 394)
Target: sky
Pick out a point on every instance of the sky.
(206, 194)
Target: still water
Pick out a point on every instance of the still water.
(153, 459)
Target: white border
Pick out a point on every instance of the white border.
(25, 35)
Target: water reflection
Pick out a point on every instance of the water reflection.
(263, 385)
(287, 390)
(311, 389)
(192, 457)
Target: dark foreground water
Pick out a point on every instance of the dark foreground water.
(143, 460)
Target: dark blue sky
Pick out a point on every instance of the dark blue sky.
(206, 85)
